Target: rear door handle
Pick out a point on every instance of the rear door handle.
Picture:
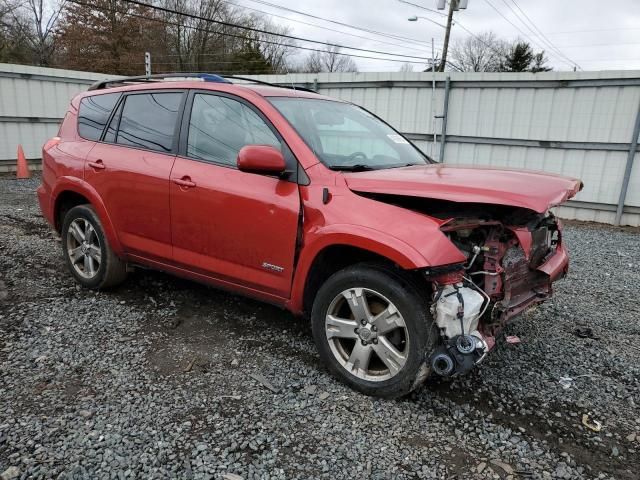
(97, 164)
(184, 182)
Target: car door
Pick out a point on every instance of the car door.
(130, 170)
(237, 227)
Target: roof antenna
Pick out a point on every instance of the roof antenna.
(286, 69)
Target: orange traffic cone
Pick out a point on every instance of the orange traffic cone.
(22, 170)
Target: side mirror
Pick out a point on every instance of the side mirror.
(261, 159)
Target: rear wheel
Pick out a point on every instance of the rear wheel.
(87, 251)
(373, 330)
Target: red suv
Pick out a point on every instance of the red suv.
(406, 268)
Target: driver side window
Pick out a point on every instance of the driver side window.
(219, 127)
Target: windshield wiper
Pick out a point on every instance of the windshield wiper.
(358, 167)
(402, 165)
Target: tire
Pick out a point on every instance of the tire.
(409, 329)
(87, 252)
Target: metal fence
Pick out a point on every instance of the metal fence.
(579, 124)
(33, 101)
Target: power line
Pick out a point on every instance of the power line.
(523, 33)
(457, 22)
(594, 30)
(613, 44)
(571, 62)
(514, 25)
(423, 8)
(368, 30)
(225, 34)
(536, 29)
(315, 25)
(479, 39)
(259, 30)
(534, 34)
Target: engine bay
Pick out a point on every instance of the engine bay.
(500, 279)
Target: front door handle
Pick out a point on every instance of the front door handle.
(97, 165)
(184, 182)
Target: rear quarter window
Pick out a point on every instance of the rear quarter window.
(148, 120)
(93, 114)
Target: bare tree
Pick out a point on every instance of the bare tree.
(13, 39)
(193, 40)
(108, 36)
(27, 29)
(112, 36)
(481, 53)
(7, 7)
(199, 44)
(41, 18)
(329, 60)
(406, 67)
(276, 50)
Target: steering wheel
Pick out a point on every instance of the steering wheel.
(355, 155)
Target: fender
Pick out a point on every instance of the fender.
(77, 185)
(365, 238)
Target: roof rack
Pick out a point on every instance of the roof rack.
(290, 86)
(204, 77)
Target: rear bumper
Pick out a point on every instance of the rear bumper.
(46, 207)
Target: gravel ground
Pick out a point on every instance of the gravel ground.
(164, 378)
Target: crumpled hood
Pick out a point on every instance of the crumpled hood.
(536, 191)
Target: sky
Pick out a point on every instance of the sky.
(592, 34)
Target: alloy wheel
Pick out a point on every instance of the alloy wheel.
(83, 248)
(367, 334)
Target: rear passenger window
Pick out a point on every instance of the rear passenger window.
(219, 127)
(148, 120)
(94, 113)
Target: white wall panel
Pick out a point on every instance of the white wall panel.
(517, 110)
(29, 94)
(485, 105)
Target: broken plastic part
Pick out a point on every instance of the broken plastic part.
(594, 425)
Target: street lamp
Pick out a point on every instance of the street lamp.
(414, 18)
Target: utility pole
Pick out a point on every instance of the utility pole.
(453, 4)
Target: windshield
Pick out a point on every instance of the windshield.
(346, 137)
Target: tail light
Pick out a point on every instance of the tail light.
(52, 142)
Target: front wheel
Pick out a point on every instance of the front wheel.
(373, 330)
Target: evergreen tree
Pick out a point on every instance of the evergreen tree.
(250, 60)
(521, 58)
(539, 63)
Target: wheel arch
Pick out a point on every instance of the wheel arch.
(335, 252)
(70, 192)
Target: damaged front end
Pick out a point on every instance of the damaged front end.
(513, 256)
